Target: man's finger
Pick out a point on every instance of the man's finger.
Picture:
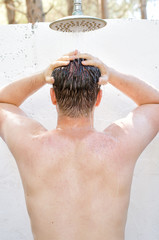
(90, 63)
(67, 58)
(59, 64)
(72, 53)
(85, 56)
(103, 80)
(50, 80)
(64, 58)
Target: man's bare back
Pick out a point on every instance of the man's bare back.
(76, 180)
(77, 186)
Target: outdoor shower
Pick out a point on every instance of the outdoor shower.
(78, 22)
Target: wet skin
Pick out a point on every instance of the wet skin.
(77, 186)
(76, 180)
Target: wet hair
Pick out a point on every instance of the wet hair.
(76, 88)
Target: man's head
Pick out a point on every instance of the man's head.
(76, 88)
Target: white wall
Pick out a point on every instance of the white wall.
(128, 45)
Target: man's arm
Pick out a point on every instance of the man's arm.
(143, 94)
(142, 124)
(16, 92)
(16, 129)
(137, 130)
(139, 91)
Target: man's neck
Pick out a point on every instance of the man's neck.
(81, 123)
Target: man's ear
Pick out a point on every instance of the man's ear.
(99, 97)
(53, 97)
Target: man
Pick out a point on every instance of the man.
(76, 180)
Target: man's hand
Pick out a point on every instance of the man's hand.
(139, 91)
(90, 61)
(63, 61)
(16, 92)
(93, 61)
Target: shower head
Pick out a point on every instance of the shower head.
(78, 22)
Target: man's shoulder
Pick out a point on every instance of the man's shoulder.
(17, 129)
(145, 116)
(137, 130)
